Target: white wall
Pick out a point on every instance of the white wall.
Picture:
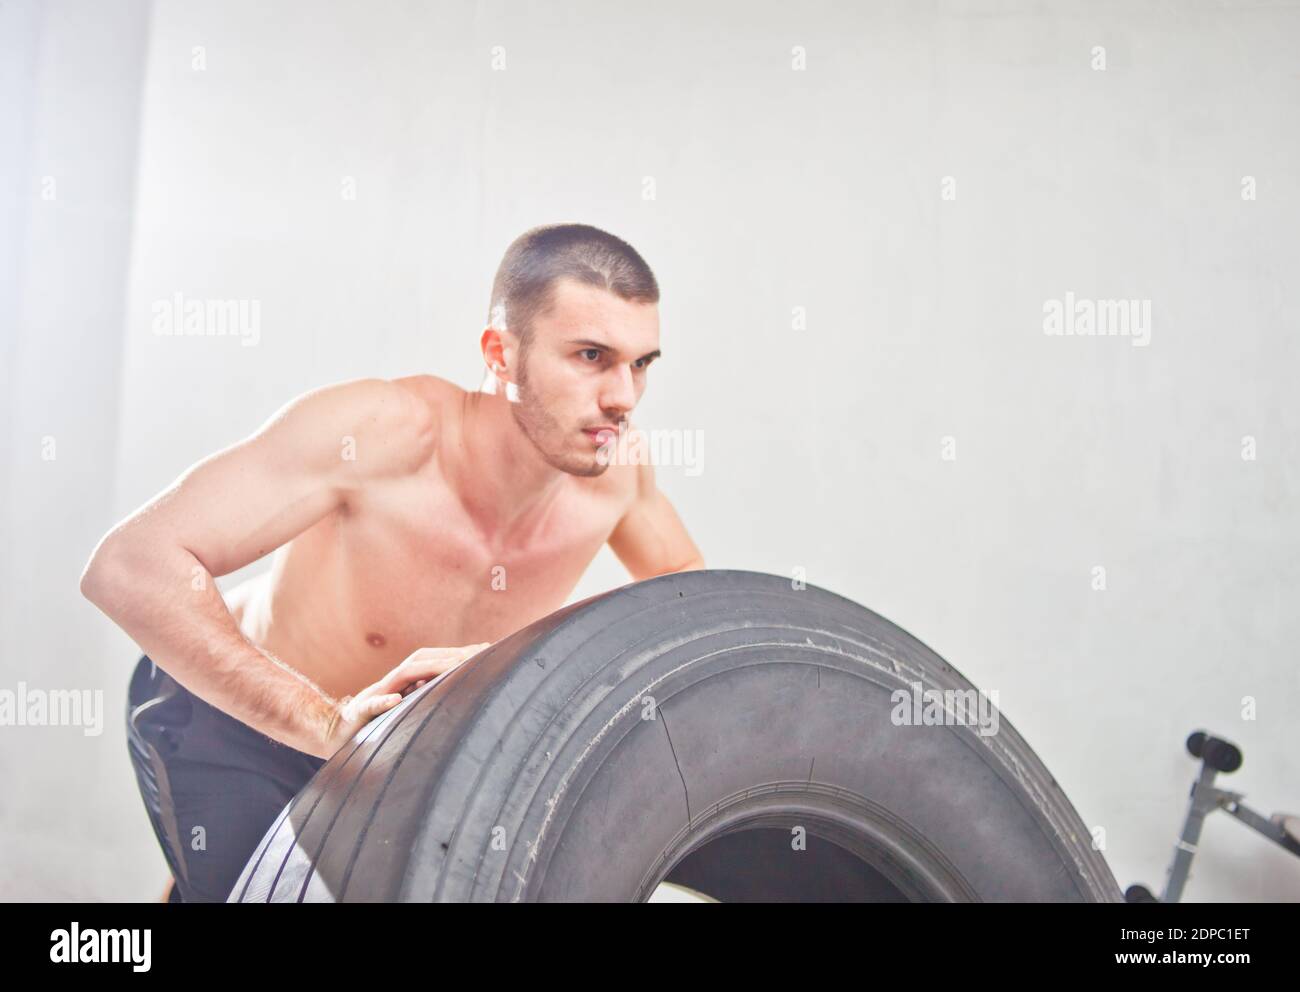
(775, 189)
(70, 85)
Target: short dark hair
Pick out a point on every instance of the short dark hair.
(521, 291)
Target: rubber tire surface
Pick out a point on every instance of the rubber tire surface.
(584, 756)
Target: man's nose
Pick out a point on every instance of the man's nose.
(618, 392)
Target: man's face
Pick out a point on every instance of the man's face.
(585, 368)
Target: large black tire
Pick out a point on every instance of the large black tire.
(720, 729)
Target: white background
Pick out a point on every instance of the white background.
(774, 189)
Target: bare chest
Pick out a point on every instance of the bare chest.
(415, 570)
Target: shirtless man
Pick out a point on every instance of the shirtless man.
(391, 507)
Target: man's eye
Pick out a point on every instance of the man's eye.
(595, 353)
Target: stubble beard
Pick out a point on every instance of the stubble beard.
(537, 423)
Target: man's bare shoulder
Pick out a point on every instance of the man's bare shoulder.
(433, 389)
(383, 426)
(443, 402)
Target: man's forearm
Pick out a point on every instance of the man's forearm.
(171, 607)
(690, 566)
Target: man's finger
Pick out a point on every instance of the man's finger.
(413, 668)
(375, 705)
(426, 663)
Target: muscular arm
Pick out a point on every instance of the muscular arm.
(153, 573)
(650, 539)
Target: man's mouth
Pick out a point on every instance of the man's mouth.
(601, 435)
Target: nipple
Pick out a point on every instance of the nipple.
(376, 640)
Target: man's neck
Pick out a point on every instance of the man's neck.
(503, 480)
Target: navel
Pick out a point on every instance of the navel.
(376, 640)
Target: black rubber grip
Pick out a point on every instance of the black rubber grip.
(1219, 754)
(1139, 893)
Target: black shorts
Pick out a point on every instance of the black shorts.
(212, 785)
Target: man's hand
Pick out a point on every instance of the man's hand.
(353, 712)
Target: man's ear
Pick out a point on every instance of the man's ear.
(492, 347)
